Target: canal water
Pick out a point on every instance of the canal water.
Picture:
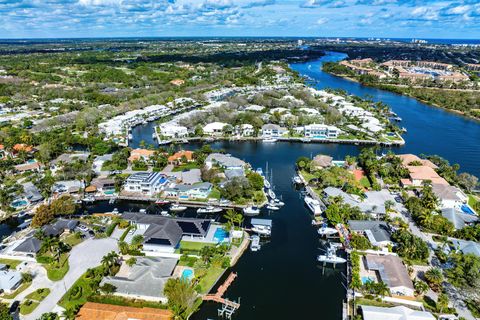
(283, 279)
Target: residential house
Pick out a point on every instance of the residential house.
(449, 196)
(68, 187)
(144, 280)
(189, 177)
(140, 154)
(466, 247)
(68, 158)
(103, 185)
(459, 218)
(370, 205)
(163, 234)
(377, 232)
(321, 131)
(246, 130)
(394, 313)
(28, 166)
(181, 156)
(172, 130)
(28, 247)
(31, 193)
(9, 280)
(60, 227)
(322, 161)
(390, 270)
(147, 183)
(420, 174)
(197, 191)
(21, 147)
(100, 311)
(225, 161)
(273, 130)
(409, 159)
(214, 128)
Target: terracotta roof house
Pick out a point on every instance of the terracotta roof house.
(137, 154)
(408, 158)
(178, 156)
(419, 174)
(22, 147)
(28, 166)
(322, 161)
(99, 311)
(177, 82)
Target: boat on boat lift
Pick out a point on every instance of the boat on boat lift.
(209, 209)
(269, 140)
(330, 257)
(277, 202)
(165, 213)
(255, 244)
(251, 211)
(177, 208)
(272, 207)
(313, 205)
(297, 180)
(327, 231)
(266, 184)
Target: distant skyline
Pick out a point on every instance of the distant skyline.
(313, 18)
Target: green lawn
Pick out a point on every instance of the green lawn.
(207, 281)
(56, 271)
(186, 166)
(371, 302)
(472, 200)
(194, 246)
(306, 175)
(39, 294)
(72, 240)
(19, 290)
(215, 194)
(74, 297)
(12, 264)
(365, 182)
(28, 306)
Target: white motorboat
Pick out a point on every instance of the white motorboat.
(259, 171)
(262, 230)
(330, 257)
(269, 140)
(209, 209)
(327, 231)
(297, 180)
(266, 184)
(165, 213)
(89, 199)
(130, 136)
(272, 207)
(115, 211)
(142, 210)
(277, 203)
(251, 211)
(271, 194)
(313, 205)
(177, 208)
(255, 244)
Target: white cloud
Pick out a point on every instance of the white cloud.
(99, 2)
(322, 21)
(459, 9)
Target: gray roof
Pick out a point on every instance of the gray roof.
(225, 160)
(231, 173)
(168, 231)
(31, 192)
(59, 227)
(271, 126)
(458, 217)
(391, 270)
(146, 278)
(399, 312)
(188, 177)
(467, 247)
(376, 231)
(261, 222)
(71, 157)
(446, 192)
(29, 245)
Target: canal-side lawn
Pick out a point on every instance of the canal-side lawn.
(10, 263)
(190, 246)
(472, 200)
(209, 279)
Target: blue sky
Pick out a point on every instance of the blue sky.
(320, 18)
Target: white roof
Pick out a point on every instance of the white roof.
(394, 313)
(214, 126)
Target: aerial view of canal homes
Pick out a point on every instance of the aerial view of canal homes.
(220, 178)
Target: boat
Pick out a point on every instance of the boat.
(130, 136)
(162, 202)
(330, 257)
(89, 199)
(404, 130)
(154, 136)
(165, 213)
(313, 205)
(177, 208)
(209, 209)
(266, 184)
(115, 211)
(259, 171)
(269, 140)
(142, 210)
(255, 244)
(297, 180)
(327, 231)
(111, 201)
(251, 211)
(271, 194)
(272, 207)
(262, 230)
(277, 202)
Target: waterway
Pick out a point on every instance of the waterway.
(283, 279)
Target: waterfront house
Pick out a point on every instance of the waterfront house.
(420, 174)
(390, 270)
(103, 185)
(245, 130)
(458, 218)
(466, 247)
(28, 247)
(140, 154)
(273, 131)
(67, 187)
(197, 191)
(394, 313)
(144, 280)
(31, 193)
(10, 280)
(146, 183)
(377, 232)
(449, 196)
(100, 311)
(224, 161)
(214, 128)
(163, 234)
(322, 161)
(321, 131)
(172, 130)
(409, 159)
(371, 205)
(180, 157)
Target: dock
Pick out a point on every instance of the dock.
(228, 306)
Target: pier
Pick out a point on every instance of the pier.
(228, 306)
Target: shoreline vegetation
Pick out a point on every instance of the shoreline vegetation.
(456, 101)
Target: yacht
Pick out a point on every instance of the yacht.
(269, 140)
(162, 202)
(266, 184)
(130, 136)
(165, 213)
(326, 231)
(330, 257)
(209, 209)
(89, 199)
(262, 230)
(255, 244)
(177, 208)
(115, 211)
(313, 205)
(251, 211)
(272, 207)
(297, 180)
(277, 203)
(271, 194)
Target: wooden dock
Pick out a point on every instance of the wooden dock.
(228, 306)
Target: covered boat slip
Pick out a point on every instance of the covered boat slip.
(261, 222)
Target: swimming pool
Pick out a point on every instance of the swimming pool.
(466, 209)
(187, 274)
(19, 203)
(220, 235)
(366, 279)
(109, 192)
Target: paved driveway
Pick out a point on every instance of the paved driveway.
(85, 255)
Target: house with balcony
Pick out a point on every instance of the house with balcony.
(320, 131)
(273, 130)
(146, 183)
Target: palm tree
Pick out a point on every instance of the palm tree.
(109, 260)
(230, 215)
(420, 287)
(123, 246)
(434, 277)
(382, 289)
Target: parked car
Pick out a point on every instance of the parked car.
(14, 307)
(82, 228)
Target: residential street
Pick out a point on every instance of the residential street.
(87, 254)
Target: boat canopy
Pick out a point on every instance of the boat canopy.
(261, 222)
